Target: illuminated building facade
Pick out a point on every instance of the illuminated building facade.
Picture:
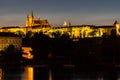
(5, 41)
(32, 22)
(75, 31)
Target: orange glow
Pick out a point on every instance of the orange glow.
(27, 50)
(50, 75)
(29, 73)
(1, 74)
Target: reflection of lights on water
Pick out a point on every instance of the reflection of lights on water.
(29, 73)
(50, 75)
(0, 74)
(100, 79)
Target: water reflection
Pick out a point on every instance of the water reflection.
(1, 73)
(41, 73)
(29, 70)
(11, 72)
(46, 73)
(50, 75)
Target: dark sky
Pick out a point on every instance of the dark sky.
(96, 12)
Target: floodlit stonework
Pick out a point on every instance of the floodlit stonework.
(5, 41)
(75, 31)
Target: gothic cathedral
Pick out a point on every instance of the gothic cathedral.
(32, 22)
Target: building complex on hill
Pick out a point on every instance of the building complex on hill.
(75, 31)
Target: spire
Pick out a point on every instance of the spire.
(69, 23)
(65, 23)
(27, 20)
(38, 17)
(31, 15)
(27, 16)
(116, 22)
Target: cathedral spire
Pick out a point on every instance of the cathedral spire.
(31, 14)
(27, 16)
(116, 22)
(38, 17)
(69, 23)
(65, 24)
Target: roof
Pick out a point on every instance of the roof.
(104, 26)
(10, 27)
(40, 22)
(41, 26)
(8, 34)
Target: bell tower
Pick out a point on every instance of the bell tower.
(31, 19)
(117, 27)
(27, 21)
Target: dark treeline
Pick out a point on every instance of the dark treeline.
(90, 52)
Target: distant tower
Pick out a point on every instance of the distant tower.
(27, 21)
(31, 19)
(65, 23)
(117, 27)
(38, 17)
(69, 23)
(31, 15)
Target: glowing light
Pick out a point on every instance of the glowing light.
(27, 50)
(50, 75)
(29, 73)
(1, 74)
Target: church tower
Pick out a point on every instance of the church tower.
(69, 23)
(39, 17)
(27, 21)
(117, 27)
(30, 20)
(65, 24)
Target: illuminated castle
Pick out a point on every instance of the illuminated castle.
(32, 22)
(75, 31)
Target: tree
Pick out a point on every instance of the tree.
(40, 46)
(11, 54)
(26, 41)
(56, 34)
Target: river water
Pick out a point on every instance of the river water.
(44, 72)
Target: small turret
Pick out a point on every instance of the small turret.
(69, 23)
(38, 17)
(116, 22)
(65, 23)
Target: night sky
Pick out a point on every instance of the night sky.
(78, 12)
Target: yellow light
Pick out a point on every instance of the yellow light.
(29, 73)
(27, 50)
